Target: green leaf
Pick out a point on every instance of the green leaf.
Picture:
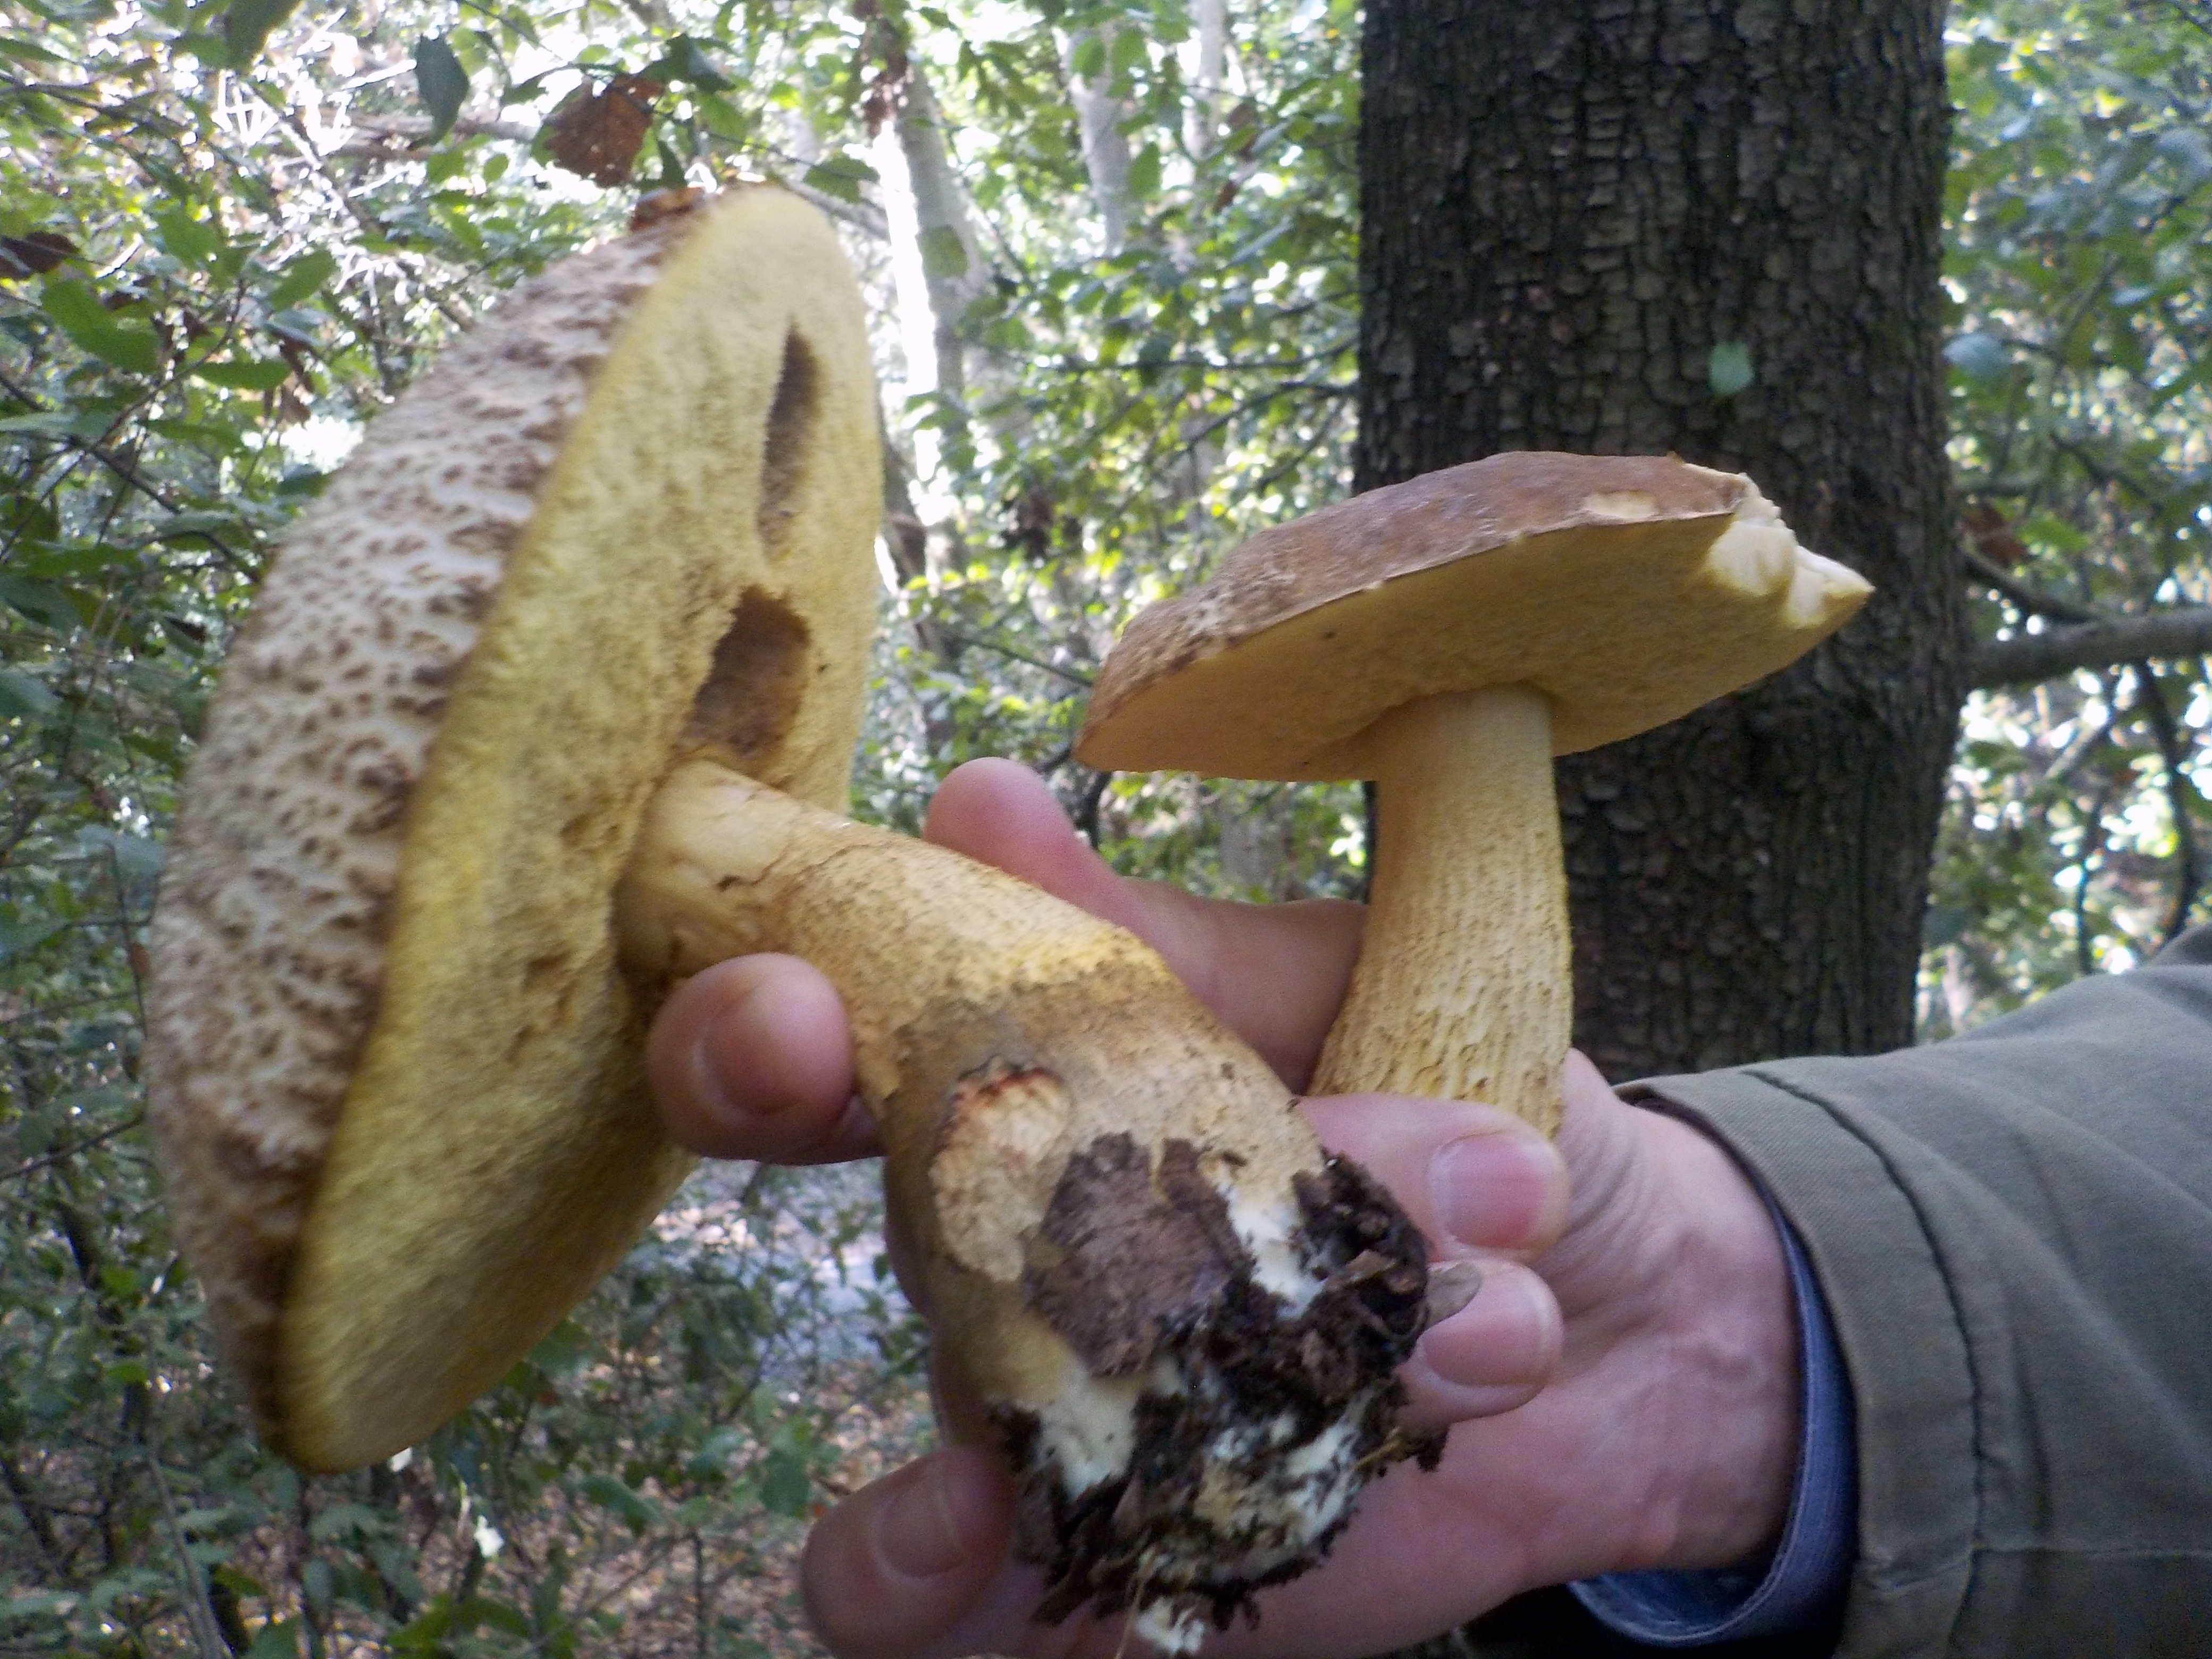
(134, 855)
(609, 1493)
(21, 938)
(840, 176)
(943, 253)
(126, 345)
(45, 603)
(722, 118)
(1145, 173)
(89, 424)
(442, 82)
(784, 1485)
(28, 52)
(2188, 149)
(277, 1640)
(247, 25)
(687, 60)
(195, 241)
(1089, 59)
(672, 165)
(22, 697)
(246, 375)
(318, 1586)
(304, 276)
(1129, 47)
(1981, 358)
(1729, 369)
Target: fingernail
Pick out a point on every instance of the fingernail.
(708, 1086)
(1452, 1285)
(917, 1533)
(714, 1075)
(1489, 1190)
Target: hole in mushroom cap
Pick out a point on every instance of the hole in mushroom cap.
(790, 423)
(751, 694)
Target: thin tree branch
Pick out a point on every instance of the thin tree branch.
(414, 128)
(71, 1151)
(2031, 601)
(2031, 658)
(1071, 676)
(2174, 746)
(131, 476)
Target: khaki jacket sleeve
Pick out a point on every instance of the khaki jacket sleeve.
(2012, 1230)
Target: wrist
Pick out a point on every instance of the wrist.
(1724, 1358)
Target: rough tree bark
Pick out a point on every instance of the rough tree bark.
(1569, 210)
(1579, 217)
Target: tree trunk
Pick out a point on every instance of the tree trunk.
(1583, 220)
(1099, 115)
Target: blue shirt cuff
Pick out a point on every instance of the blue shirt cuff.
(1812, 1564)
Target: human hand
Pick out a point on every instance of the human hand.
(1658, 1307)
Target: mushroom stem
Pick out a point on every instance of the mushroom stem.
(1464, 985)
(1129, 1241)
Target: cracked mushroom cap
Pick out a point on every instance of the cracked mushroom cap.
(395, 1075)
(1628, 589)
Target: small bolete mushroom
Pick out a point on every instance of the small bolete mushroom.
(526, 723)
(1446, 637)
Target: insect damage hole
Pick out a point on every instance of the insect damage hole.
(784, 450)
(750, 698)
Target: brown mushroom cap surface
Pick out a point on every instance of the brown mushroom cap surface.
(1628, 590)
(394, 1064)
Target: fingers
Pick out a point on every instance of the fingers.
(1472, 1177)
(1274, 973)
(897, 1566)
(1493, 1355)
(1483, 1188)
(752, 1059)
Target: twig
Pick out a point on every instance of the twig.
(1071, 676)
(207, 1634)
(2032, 601)
(2173, 748)
(71, 1151)
(129, 473)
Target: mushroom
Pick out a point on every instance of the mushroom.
(547, 701)
(1446, 637)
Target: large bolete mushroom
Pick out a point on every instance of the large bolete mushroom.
(526, 722)
(1446, 637)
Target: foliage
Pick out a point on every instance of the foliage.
(231, 230)
(2080, 261)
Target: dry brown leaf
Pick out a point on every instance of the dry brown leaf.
(33, 255)
(1993, 536)
(596, 131)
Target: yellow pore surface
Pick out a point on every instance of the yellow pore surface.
(709, 523)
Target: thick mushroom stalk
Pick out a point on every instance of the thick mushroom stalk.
(1183, 1316)
(1447, 637)
(1467, 875)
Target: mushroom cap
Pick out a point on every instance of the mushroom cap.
(1627, 589)
(394, 1065)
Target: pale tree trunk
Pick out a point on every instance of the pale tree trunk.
(1209, 65)
(936, 258)
(1568, 208)
(1099, 115)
